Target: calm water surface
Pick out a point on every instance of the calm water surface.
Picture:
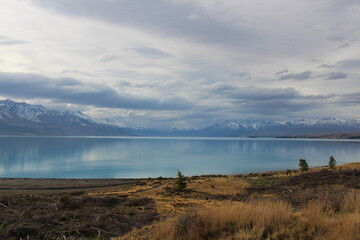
(130, 157)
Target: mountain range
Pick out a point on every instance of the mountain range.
(294, 128)
(19, 118)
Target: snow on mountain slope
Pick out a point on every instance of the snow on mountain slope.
(247, 124)
(254, 124)
(21, 118)
(38, 113)
(23, 110)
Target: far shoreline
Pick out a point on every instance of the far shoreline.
(351, 138)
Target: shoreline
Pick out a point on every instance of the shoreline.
(333, 137)
(56, 185)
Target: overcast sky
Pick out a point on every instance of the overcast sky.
(184, 63)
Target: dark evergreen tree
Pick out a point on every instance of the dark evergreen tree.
(180, 183)
(303, 165)
(332, 162)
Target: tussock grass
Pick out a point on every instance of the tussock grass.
(257, 217)
(329, 218)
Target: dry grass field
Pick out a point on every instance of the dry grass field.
(318, 204)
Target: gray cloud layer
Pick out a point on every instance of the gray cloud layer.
(72, 91)
(349, 63)
(207, 59)
(160, 16)
(336, 75)
(152, 52)
(6, 41)
(269, 101)
(296, 76)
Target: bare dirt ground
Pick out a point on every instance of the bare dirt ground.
(52, 185)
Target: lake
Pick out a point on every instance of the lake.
(138, 157)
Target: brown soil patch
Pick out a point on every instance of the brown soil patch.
(75, 217)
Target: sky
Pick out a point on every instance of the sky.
(183, 63)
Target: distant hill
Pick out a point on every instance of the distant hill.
(19, 118)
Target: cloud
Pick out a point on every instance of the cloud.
(282, 72)
(350, 99)
(261, 94)
(345, 45)
(336, 38)
(326, 66)
(276, 107)
(69, 90)
(296, 76)
(349, 63)
(6, 41)
(269, 101)
(193, 17)
(335, 76)
(151, 52)
(160, 17)
(11, 42)
(107, 57)
(74, 71)
(254, 93)
(242, 75)
(168, 54)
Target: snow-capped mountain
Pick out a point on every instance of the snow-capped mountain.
(297, 127)
(253, 124)
(26, 119)
(18, 118)
(258, 128)
(247, 124)
(22, 110)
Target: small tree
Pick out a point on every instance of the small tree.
(332, 162)
(303, 165)
(180, 183)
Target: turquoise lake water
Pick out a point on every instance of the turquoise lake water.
(133, 157)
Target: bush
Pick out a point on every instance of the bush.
(332, 162)
(65, 199)
(303, 165)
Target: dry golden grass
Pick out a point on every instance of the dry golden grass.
(219, 185)
(352, 166)
(322, 219)
(219, 222)
(336, 218)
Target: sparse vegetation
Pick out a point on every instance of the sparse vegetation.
(288, 204)
(304, 167)
(332, 162)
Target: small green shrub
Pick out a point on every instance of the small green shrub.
(64, 199)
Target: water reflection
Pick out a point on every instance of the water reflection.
(152, 157)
